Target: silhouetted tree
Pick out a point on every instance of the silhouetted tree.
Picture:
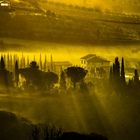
(51, 64)
(136, 77)
(38, 79)
(122, 72)
(32, 74)
(45, 63)
(62, 80)
(76, 74)
(40, 62)
(16, 73)
(116, 69)
(134, 84)
(11, 60)
(2, 63)
(33, 65)
(116, 72)
(116, 75)
(78, 136)
(5, 75)
(35, 133)
(8, 60)
(50, 79)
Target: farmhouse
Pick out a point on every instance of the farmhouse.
(97, 66)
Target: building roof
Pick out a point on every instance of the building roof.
(88, 56)
(97, 59)
(94, 58)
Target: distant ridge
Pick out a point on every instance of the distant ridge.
(131, 6)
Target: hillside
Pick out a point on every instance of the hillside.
(15, 128)
(128, 6)
(68, 24)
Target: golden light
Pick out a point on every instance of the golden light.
(87, 3)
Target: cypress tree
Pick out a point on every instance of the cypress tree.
(116, 70)
(16, 73)
(2, 63)
(45, 63)
(51, 65)
(116, 79)
(117, 67)
(11, 62)
(122, 71)
(8, 60)
(40, 62)
(136, 77)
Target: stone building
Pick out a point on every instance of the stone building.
(97, 66)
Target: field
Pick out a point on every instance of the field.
(116, 117)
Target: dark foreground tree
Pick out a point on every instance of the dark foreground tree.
(38, 79)
(35, 133)
(136, 77)
(32, 74)
(76, 74)
(50, 78)
(2, 63)
(5, 76)
(78, 136)
(116, 70)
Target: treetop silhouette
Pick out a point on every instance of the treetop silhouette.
(76, 74)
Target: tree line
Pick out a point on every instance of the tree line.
(117, 78)
(33, 78)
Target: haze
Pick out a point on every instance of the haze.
(115, 5)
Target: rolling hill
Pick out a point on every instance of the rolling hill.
(71, 24)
